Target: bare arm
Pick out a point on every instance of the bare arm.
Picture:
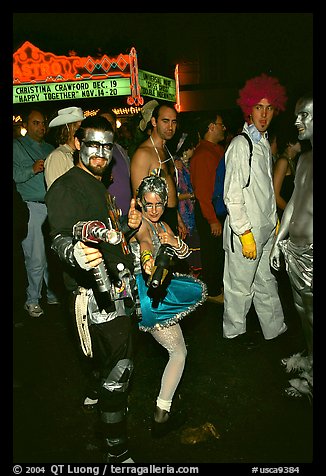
(275, 255)
(139, 167)
(144, 239)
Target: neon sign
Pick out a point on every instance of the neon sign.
(71, 90)
(31, 65)
(157, 86)
(39, 76)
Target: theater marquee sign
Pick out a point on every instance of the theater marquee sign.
(40, 76)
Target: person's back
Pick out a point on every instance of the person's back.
(117, 177)
(61, 159)
(120, 185)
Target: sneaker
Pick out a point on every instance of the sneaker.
(89, 404)
(249, 341)
(123, 458)
(53, 301)
(216, 299)
(34, 310)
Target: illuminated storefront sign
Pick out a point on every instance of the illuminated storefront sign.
(71, 90)
(157, 86)
(40, 76)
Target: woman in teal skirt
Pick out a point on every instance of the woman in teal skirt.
(176, 295)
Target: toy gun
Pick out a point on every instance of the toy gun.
(163, 262)
(96, 231)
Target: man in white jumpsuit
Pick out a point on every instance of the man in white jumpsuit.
(250, 225)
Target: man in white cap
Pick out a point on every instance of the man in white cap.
(61, 159)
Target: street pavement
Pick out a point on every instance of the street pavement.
(235, 390)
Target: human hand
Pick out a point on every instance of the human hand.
(249, 249)
(182, 228)
(167, 239)
(178, 164)
(275, 257)
(86, 256)
(148, 266)
(134, 215)
(183, 232)
(216, 228)
(147, 261)
(38, 166)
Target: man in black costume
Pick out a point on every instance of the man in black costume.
(103, 298)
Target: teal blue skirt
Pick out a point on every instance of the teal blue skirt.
(168, 305)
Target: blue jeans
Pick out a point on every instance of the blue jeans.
(34, 253)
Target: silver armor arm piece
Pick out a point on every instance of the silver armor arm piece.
(63, 246)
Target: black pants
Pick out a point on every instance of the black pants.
(113, 357)
(211, 253)
(109, 380)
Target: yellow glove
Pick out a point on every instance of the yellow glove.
(277, 226)
(248, 245)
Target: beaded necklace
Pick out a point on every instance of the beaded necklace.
(166, 160)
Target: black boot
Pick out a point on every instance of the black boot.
(115, 437)
(163, 422)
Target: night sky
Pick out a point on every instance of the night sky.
(229, 47)
(239, 43)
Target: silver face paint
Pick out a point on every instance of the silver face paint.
(96, 144)
(151, 206)
(304, 118)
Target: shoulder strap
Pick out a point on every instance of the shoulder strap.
(18, 140)
(244, 134)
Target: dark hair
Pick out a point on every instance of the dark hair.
(62, 134)
(28, 112)
(190, 141)
(93, 122)
(202, 122)
(156, 110)
(106, 110)
(285, 136)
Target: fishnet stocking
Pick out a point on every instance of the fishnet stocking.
(171, 338)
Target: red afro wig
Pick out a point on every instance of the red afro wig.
(258, 88)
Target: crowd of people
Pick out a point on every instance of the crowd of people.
(123, 214)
